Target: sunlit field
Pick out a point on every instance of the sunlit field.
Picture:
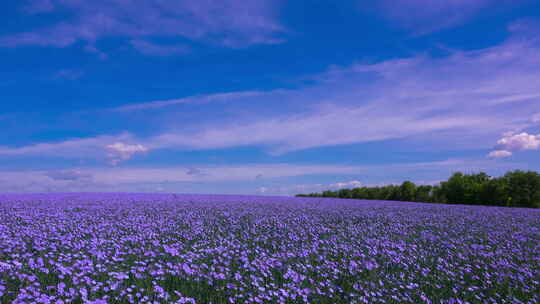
(149, 248)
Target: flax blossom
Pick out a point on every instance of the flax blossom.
(146, 248)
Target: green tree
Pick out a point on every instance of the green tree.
(388, 193)
(395, 194)
(514, 189)
(329, 193)
(359, 193)
(407, 191)
(454, 189)
(423, 193)
(474, 183)
(523, 188)
(465, 188)
(438, 195)
(345, 193)
(373, 193)
(494, 192)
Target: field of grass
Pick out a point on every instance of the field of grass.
(160, 248)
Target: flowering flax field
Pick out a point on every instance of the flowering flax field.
(161, 248)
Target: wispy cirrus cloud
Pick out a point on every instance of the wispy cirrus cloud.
(192, 99)
(346, 125)
(230, 23)
(423, 17)
(463, 100)
(471, 96)
(71, 148)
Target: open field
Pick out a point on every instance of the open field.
(150, 248)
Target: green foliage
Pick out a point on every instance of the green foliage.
(407, 191)
(514, 189)
(345, 193)
(523, 188)
(423, 194)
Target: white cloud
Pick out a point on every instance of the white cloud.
(521, 141)
(119, 151)
(351, 184)
(515, 142)
(499, 154)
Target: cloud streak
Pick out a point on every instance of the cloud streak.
(115, 149)
(424, 17)
(220, 97)
(72, 148)
(469, 95)
(229, 23)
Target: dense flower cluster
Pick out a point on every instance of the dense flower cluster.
(149, 248)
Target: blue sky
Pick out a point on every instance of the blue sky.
(264, 97)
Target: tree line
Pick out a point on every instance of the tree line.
(514, 189)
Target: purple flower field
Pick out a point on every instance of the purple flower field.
(163, 248)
